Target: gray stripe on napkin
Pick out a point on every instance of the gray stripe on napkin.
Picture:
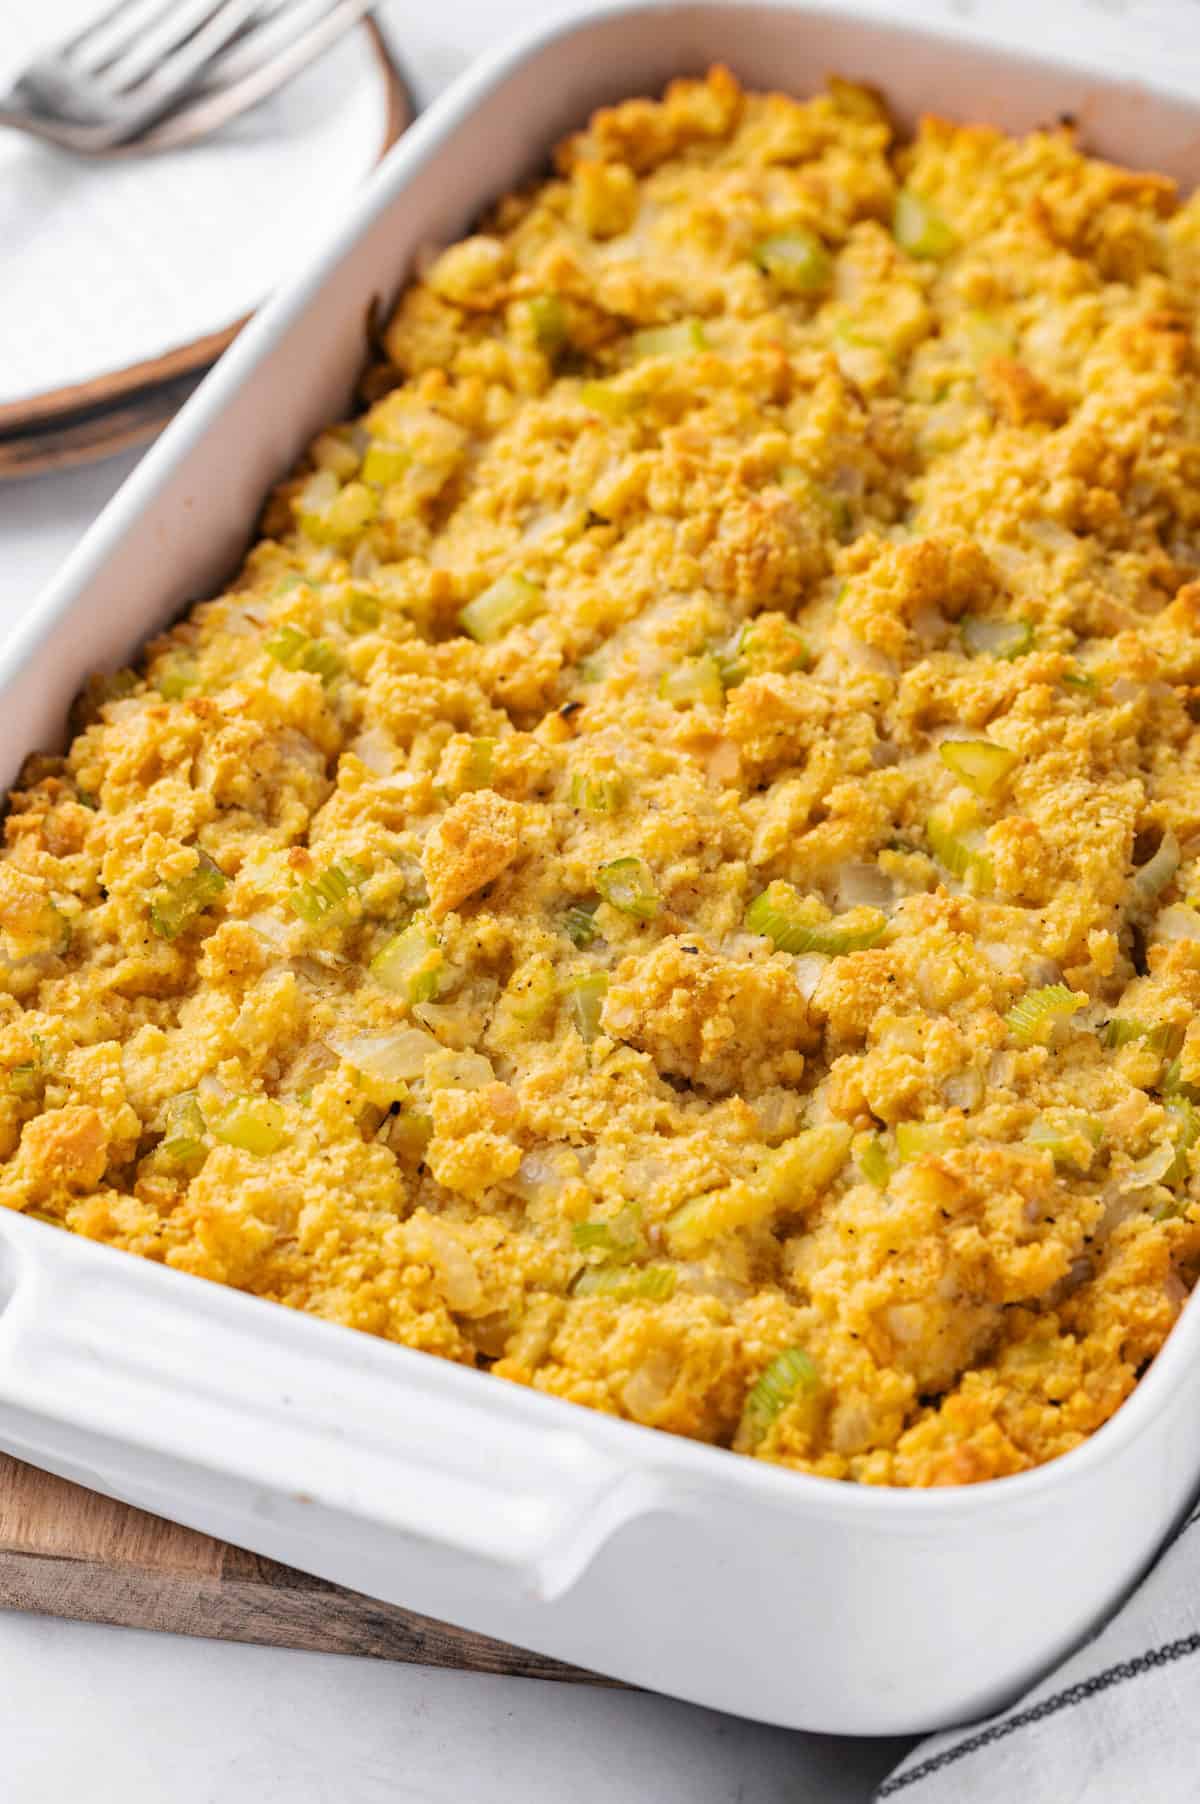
(1089, 1734)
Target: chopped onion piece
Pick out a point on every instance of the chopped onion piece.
(864, 886)
(396, 1057)
(1158, 871)
(1178, 922)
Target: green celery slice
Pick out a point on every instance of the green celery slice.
(175, 905)
(789, 1376)
(1032, 1021)
(919, 228)
(796, 261)
(510, 601)
(586, 996)
(783, 918)
(627, 885)
(978, 763)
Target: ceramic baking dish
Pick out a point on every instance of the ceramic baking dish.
(673, 1565)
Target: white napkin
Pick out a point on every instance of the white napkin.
(1117, 1722)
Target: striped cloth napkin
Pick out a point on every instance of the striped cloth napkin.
(1116, 1723)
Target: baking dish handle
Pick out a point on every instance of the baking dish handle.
(96, 1342)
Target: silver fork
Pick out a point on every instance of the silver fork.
(154, 76)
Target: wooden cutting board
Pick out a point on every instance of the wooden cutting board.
(69, 1552)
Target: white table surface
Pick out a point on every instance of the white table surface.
(116, 1715)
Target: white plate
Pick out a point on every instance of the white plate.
(111, 265)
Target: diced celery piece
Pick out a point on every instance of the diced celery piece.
(411, 963)
(579, 924)
(1172, 1084)
(956, 850)
(547, 318)
(385, 463)
(510, 601)
(794, 926)
(620, 1236)
(183, 1143)
(1032, 1021)
(252, 1123)
(683, 339)
(1078, 678)
(978, 763)
(696, 682)
(627, 885)
(919, 228)
(587, 1001)
(624, 1283)
(1121, 1030)
(324, 899)
(920, 1139)
(597, 792)
(330, 514)
(361, 611)
(796, 261)
(296, 651)
(757, 649)
(175, 905)
(789, 1178)
(1158, 871)
(872, 1160)
(790, 1376)
(1186, 1124)
(1164, 1037)
(176, 677)
(1005, 639)
(606, 398)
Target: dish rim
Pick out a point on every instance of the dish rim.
(662, 1452)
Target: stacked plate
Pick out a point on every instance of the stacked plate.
(124, 280)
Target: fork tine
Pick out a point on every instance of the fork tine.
(203, 25)
(70, 45)
(286, 21)
(215, 104)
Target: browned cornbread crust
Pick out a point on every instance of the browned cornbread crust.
(782, 457)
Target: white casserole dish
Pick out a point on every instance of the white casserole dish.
(666, 1563)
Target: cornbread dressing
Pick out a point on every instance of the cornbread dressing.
(673, 874)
